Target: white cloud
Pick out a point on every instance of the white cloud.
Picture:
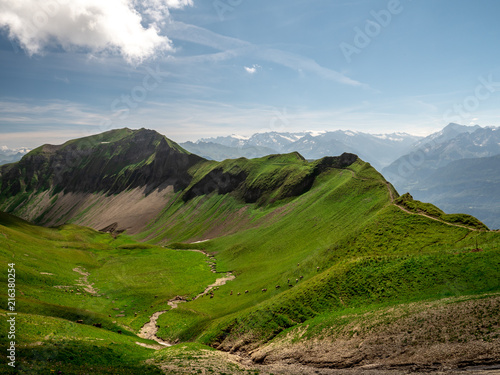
(131, 28)
(252, 69)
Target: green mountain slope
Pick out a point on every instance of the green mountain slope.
(368, 251)
(126, 283)
(312, 246)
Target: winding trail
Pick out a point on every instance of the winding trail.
(150, 329)
(392, 198)
(424, 214)
(84, 282)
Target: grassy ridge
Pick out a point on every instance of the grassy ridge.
(368, 251)
(407, 201)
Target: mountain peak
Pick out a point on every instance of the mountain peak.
(458, 128)
(110, 162)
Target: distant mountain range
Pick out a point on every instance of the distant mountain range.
(455, 169)
(412, 164)
(378, 149)
(466, 185)
(8, 155)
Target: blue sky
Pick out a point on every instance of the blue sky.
(193, 68)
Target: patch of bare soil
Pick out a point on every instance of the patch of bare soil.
(155, 347)
(219, 282)
(150, 329)
(217, 362)
(84, 282)
(442, 336)
(130, 210)
(203, 362)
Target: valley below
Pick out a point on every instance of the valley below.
(134, 256)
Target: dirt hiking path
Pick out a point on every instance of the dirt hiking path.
(150, 329)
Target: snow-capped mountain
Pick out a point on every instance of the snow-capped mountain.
(454, 169)
(378, 149)
(455, 142)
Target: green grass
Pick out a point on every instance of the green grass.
(133, 279)
(47, 345)
(407, 201)
(371, 251)
(341, 237)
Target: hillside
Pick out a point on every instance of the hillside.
(114, 179)
(69, 274)
(291, 266)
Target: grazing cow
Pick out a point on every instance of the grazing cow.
(298, 264)
(317, 268)
(301, 277)
(296, 281)
(288, 281)
(97, 325)
(277, 287)
(264, 290)
(239, 293)
(79, 321)
(246, 291)
(211, 296)
(231, 293)
(290, 285)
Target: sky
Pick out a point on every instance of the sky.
(193, 69)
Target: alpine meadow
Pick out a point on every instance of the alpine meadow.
(159, 261)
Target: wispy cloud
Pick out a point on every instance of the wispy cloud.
(233, 47)
(15, 112)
